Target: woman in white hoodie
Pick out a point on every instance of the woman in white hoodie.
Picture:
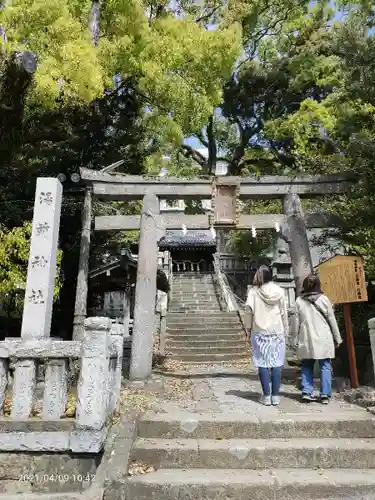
(269, 329)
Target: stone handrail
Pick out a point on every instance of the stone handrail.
(98, 390)
(164, 261)
(225, 289)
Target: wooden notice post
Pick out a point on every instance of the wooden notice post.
(343, 281)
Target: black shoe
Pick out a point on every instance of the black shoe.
(308, 398)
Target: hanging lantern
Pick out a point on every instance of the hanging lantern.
(277, 227)
(184, 230)
(253, 232)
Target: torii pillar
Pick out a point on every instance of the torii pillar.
(145, 291)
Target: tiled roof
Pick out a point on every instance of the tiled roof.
(194, 238)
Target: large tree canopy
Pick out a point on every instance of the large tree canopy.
(178, 64)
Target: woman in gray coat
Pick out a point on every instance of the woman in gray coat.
(315, 334)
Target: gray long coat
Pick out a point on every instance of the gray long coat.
(310, 332)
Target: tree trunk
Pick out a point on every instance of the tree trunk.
(212, 148)
(94, 22)
(15, 82)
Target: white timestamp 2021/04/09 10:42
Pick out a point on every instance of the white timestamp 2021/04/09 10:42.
(63, 478)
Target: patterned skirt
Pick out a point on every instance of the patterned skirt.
(268, 350)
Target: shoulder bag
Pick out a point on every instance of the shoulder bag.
(324, 316)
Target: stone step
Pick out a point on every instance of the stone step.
(276, 484)
(327, 453)
(230, 348)
(204, 329)
(209, 337)
(193, 296)
(193, 281)
(204, 324)
(219, 316)
(194, 308)
(202, 307)
(203, 344)
(192, 275)
(195, 300)
(209, 357)
(207, 318)
(187, 283)
(192, 286)
(175, 425)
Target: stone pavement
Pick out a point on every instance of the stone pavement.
(223, 444)
(219, 388)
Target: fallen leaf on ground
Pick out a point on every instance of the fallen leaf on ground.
(137, 468)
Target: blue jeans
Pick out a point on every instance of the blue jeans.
(266, 379)
(307, 373)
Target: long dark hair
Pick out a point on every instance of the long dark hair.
(311, 284)
(262, 276)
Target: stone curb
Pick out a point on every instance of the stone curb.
(115, 484)
(95, 491)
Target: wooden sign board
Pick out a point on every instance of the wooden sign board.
(225, 205)
(343, 279)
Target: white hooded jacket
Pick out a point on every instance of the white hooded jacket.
(268, 310)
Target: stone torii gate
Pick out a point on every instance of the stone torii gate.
(225, 193)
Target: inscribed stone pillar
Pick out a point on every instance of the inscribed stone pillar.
(41, 273)
(55, 395)
(92, 394)
(23, 397)
(298, 243)
(80, 309)
(145, 292)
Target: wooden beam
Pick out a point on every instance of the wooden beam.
(122, 187)
(261, 221)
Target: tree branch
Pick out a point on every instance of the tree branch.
(200, 136)
(207, 16)
(190, 152)
(245, 135)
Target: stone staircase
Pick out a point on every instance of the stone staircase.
(194, 292)
(198, 331)
(265, 456)
(225, 445)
